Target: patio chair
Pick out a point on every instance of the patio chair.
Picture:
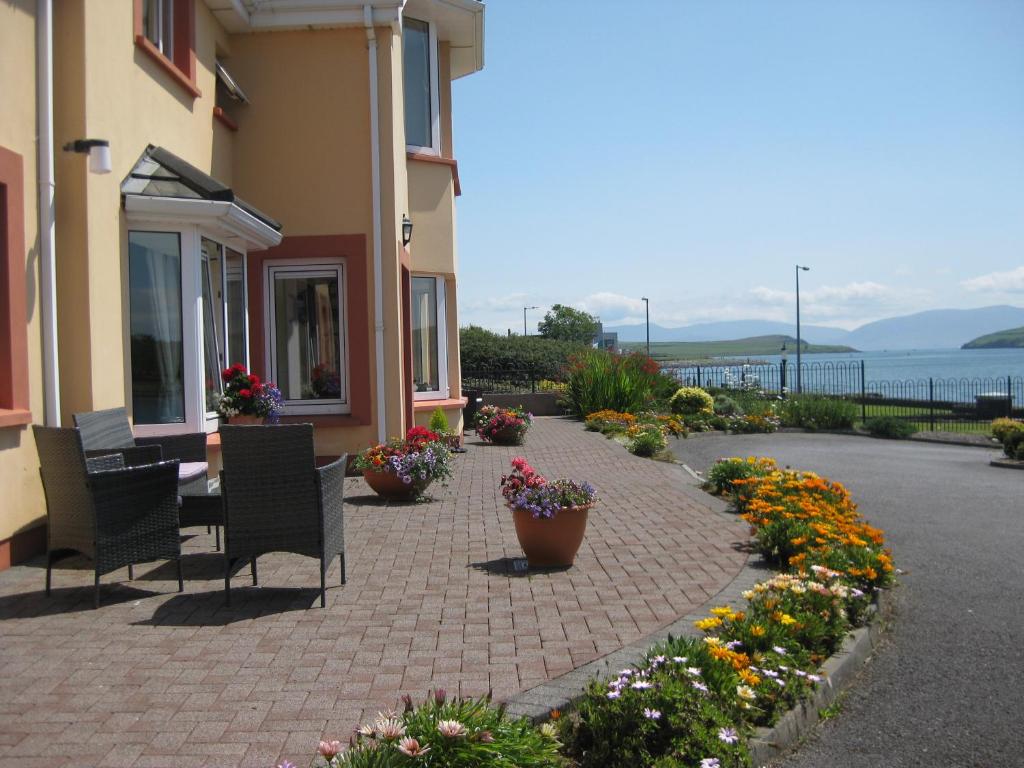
(103, 431)
(276, 499)
(114, 515)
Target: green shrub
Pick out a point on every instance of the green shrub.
(721, 476)
(889, 426)
(439, 422)
(597, 380)
(671, 724)
(647, 440)
(1001, 428)
(691, 400)
(727, 406)
(817, 412)
(487, 738)
(1013, 445)
(482, 350)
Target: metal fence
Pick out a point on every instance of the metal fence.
(502, 381)
(956, 404)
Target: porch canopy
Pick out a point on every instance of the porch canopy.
(163, 186)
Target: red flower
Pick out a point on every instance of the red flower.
(254, 380)
(227, 373)
(245, 393)
(238, 367)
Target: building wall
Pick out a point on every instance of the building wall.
(23, 502)
(107, 87)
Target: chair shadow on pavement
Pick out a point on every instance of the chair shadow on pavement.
(74, 599)
(207, 609)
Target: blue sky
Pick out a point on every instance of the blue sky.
(693, 151)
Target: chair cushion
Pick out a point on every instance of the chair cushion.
(191, 470)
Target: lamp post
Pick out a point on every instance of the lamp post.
(647, 316)
(799, 383)
(524, 319)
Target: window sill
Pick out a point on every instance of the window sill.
(15, 417)
(182, 79)
(423, 157)
(222, 118)
(335, 420)
(451, 404)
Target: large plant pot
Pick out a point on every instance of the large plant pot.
(507, 436)
(389, 486)
(551, 542)
(246, 421)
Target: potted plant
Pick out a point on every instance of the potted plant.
(401, 470)
(439, 424)
(246, 399)
(550, 515)
(503, 426)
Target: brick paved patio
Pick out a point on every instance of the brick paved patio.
(157, 678)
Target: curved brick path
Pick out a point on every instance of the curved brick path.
(154, 678)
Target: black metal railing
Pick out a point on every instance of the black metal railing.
(502, 380)
(956, 404)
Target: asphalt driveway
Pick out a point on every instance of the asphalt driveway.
(948, 687)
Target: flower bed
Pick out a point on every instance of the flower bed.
(691, 702)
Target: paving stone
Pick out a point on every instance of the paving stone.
(433, 600)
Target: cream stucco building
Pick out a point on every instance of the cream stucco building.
(265, 160)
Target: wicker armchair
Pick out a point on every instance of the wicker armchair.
(107, 430)
(276, 500)
(114, 515)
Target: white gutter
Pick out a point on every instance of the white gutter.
(378, 259)
(47, 225)
(225, 217)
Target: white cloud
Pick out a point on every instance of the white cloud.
(1011, 281)
(613, 308)
(498, 303)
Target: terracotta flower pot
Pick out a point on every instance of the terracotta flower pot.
(243, 420)
(508, 436)
(389, 486)
(551, 542)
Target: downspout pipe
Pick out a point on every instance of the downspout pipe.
(378, 258)
(47, 222)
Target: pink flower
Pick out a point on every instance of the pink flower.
(410, 747)
(329, 748)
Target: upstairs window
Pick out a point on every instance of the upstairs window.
(158, 25)
(419, 62)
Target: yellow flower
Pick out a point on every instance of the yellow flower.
(749, 677)
(757, 630)
(708, 624)
(722, 611)
(787, 620)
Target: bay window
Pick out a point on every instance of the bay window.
(419, 77)
(306, 344)
(429, 338)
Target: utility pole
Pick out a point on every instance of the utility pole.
(647, 315)
(799, 383)
(524, 319)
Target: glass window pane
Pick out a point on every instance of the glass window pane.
(416, 74)
(237, 349)
(167, 28)
(213, 321)
(307, 335)
(154, 279)
(424, 335)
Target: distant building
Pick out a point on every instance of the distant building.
(605, 340)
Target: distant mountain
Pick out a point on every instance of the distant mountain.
(704, 350)
(729, 330)
(1009, 339)
(934, 329)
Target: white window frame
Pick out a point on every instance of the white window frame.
(197, 418)
(435, 98)
(312, 267)
(211, 417)
(442, 342)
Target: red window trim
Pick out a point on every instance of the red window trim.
(14, 388)
(223, 119)
(183, 68)
(353, 249)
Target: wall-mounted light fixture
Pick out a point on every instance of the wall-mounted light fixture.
(406, 230)
(98, 151)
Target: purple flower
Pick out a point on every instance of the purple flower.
(710, 762)
(652, 714)
(728, 735)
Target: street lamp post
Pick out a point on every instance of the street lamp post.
(647, 316)
(799, 383)
(524, 319)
